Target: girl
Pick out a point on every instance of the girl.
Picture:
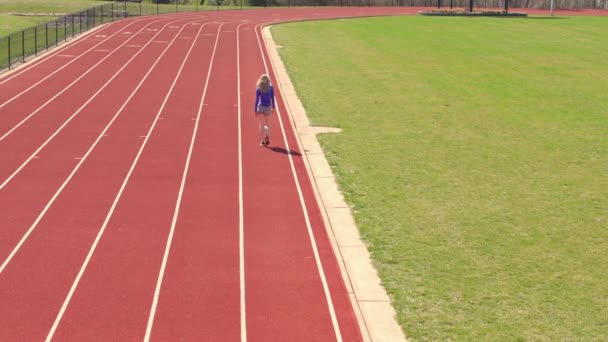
(264, 106)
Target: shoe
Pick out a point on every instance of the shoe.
(266, 141)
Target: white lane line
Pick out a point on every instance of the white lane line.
(75, 113)
(59, 54)
(85, 37)
(52, 200)
(241, 211)
(163, 266)
(119, 194)
(62, 91)
(330, 305)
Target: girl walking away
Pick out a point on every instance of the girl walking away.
(264, 106)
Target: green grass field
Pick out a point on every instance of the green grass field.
(474, 153)
(46, 6)
(11, 23)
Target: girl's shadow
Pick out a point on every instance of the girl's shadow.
(284, 151)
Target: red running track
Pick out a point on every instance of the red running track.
(137, 203)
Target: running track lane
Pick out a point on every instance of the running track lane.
(151, 190)
(293, 302)
(58, 246)
(204, 251)
(93, 263)
(26, 194)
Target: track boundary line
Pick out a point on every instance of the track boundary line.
(82, 107)
(313, 243)
(116, 199)
(182, 184)
(82, 160)
(242, 296)
(74, 82)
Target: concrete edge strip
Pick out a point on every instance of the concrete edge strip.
(372, 306)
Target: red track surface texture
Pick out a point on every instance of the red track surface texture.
(137, 203)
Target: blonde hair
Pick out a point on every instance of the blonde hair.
(264, 83)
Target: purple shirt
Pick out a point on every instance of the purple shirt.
(265, 99)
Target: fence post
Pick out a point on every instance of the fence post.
(102, 8)
(56, 32)
(36, 41)
(9, 51)
(112, 10)
(23, 45)
(140, 1)
(65, 28)
(94, 15)
(72, 26)
(156, 7)
(125, 8)
(176, 6)
(46, 34)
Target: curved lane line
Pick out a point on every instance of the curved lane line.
(81, 108)
(64, 66)
(70, 85)
(62, 49)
